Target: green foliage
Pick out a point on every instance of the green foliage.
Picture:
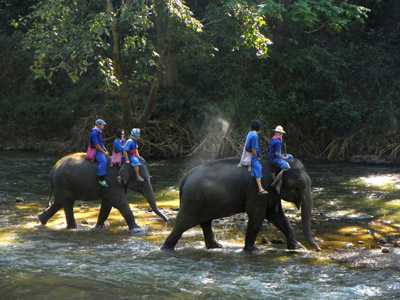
(332, 74)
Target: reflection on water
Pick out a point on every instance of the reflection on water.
(50, 262)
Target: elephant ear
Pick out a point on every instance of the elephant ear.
(124, 172)
(278, 182)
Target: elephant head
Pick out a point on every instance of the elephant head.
(294, 185)
(129, 180)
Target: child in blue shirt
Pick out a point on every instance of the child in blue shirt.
(131, 152)
(117, 158)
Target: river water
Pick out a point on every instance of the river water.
(356, 222)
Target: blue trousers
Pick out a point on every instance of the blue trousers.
(282, 163)
(101, 163)
(256, 169)
(134, 161)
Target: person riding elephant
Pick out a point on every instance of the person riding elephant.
(131, 152)
(253, 149)
(118, 146)
(276, 157)
(101, 154)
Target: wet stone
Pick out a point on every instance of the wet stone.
(276, 241)
(385, 250)
(19, 200)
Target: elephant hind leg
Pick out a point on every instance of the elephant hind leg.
(209, 237)
(48, 213)
(176, 234)
(68, 205)
(105, 210)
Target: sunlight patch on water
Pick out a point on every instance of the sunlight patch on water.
(384, 182)
(367, 291)
(352, 214)
(7, 238)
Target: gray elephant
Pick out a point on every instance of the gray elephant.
(74, 178)
(219, 189)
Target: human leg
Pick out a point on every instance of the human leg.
(256, 171)
(281, 163)
(135, 163)
(101, 168)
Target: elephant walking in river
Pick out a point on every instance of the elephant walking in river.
(219, 189)
(74, 178)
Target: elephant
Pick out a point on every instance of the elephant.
(220, 189)
(74, 178)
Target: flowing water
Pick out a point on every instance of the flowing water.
(356, 215)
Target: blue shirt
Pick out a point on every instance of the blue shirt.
(274, 146)
(119, 146)
(252, 143)
(132, 145)
(96, 138)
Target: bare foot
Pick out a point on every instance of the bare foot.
(139, 178)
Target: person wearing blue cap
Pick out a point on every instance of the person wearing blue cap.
(131, 152)
(96, 142)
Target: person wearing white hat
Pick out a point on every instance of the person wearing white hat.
(276, 157)
(96, 142)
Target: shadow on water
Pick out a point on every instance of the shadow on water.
(355, 216)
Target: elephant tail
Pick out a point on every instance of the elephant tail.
(51, 189)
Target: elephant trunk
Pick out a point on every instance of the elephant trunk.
(152, 202)
(306, 208)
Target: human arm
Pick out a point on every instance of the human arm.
(126, 156)
(278, 151)
(101, 149)
(126, 151)
(118, 147)
(96, 141)
(254, 151)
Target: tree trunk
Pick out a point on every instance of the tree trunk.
(165, 45)
(161, 25)
(122, 88)
(151, 101)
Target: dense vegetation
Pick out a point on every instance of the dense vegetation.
(194, 82)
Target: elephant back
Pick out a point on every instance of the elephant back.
(74, 168)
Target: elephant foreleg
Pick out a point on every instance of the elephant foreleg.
(48, 213)
(253, 228)
(278, 218)
(105, 210)
(209, 237)
(126, 212)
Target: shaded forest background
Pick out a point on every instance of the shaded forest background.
(336, 91)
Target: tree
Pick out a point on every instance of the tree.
(71, 36)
